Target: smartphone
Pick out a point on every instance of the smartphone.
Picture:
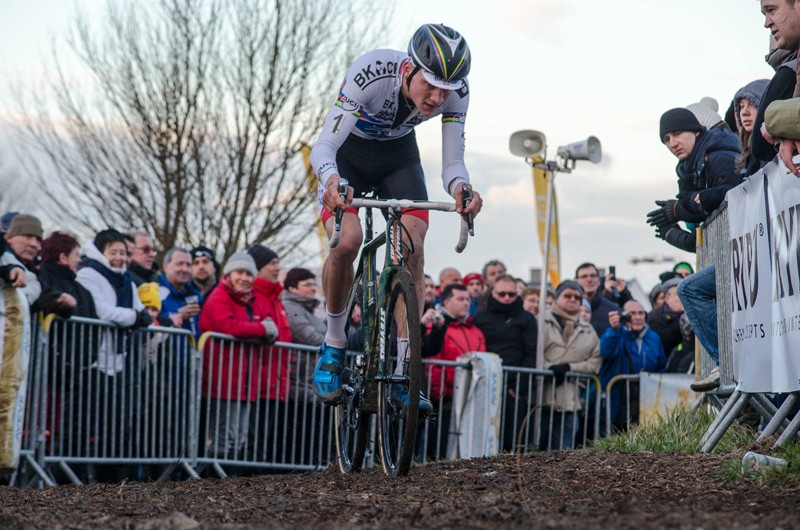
(612, 271)
(192, 300)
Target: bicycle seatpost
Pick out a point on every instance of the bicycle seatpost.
(337, 226)
(466, 198)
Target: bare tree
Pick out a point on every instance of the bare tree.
(191, 128)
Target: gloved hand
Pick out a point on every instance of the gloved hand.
(143, 319)
(560, 371)
(663, 215)
(271, 334)
(663, 229)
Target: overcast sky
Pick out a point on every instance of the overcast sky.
(569, 68)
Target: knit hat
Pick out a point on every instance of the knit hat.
(5, 220)
(241, 261)
(669, 284)
(683, 265)
(205, 252)
(297, 275)
(587, 304)
(149, 295)
(706, 111)
(752, 92)
(261, 255)
(568, 284)
(25, 225)
(678, 120)
(472, 276)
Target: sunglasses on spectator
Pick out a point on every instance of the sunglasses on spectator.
(307, 283)
(505, 294)
(147, 250)
(572, 296)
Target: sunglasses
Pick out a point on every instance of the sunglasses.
(505, 294)
(571, 296)
(307, 283)
(147, 250)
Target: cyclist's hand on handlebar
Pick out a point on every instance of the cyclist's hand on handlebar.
(331, 199)
(474, 206)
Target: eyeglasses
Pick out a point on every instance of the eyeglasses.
(307, 283)
(571, 296)
(505, 294)
(147, 250)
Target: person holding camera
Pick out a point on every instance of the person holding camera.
(449, 334)
(628, 346)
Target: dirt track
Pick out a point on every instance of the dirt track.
(553, 490)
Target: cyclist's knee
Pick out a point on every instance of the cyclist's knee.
(347, 249)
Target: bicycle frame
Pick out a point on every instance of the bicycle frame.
(374, 296)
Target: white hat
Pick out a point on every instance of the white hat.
(706, 112)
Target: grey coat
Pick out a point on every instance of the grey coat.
(306, 329)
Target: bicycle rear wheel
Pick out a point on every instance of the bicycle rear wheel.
(397, 426)
(352, 423)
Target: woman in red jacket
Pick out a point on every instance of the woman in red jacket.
(229, 375)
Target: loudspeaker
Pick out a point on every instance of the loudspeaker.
(527, 143)
(588, 149)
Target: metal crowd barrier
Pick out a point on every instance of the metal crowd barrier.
(258, 409)
(631, 416)
(713, 249)
(104, 395)
(520, 417)
(105, 403)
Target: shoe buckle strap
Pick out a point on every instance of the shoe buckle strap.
(332, 368)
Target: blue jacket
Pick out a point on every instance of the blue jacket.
(621, 355)
(172, 300)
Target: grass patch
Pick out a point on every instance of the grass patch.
(678, 431)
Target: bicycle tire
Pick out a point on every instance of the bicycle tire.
(351, 422)
(397, 429)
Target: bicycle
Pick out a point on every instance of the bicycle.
(389, 311)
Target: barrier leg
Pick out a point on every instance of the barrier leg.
(218, 470)
(789, 433)
(190, 470)
(720, 416)
(70, 473)
(763, 406)
(39, 470)
(778, 419)
(727, 420)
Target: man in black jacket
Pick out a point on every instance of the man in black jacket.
(706, 171)
(511, 333)
(588, 277)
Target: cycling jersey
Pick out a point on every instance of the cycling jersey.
(367, 107)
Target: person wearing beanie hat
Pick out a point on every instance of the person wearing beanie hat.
(570, 345)
(150, 297)
(586, 310)
(706, 171)
(273, 376)
(5, 221)
(475, 285)
(204, 269)
(683, 269)
(707, 113)
(679, 120)
(232, 373)
(24, 241)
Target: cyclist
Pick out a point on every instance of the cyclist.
(368, 138)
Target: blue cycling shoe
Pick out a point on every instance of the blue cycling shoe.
(328, 374)
(400, 396)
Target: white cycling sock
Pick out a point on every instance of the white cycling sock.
(335, 336)
(402, 353)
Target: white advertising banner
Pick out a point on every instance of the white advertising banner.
(764, 219)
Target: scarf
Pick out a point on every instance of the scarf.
(568, 322)
(242, 297)
(120, 282)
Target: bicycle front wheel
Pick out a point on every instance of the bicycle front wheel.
(401, 349)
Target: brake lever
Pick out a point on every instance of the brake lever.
(466, 199)
(341, 189)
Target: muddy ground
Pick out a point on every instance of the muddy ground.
(541, 490)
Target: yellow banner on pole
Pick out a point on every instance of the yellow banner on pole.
(540, 191)
(313, 186)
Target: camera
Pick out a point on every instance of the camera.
(624, 318)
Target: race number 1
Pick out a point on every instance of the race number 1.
(337, 122)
